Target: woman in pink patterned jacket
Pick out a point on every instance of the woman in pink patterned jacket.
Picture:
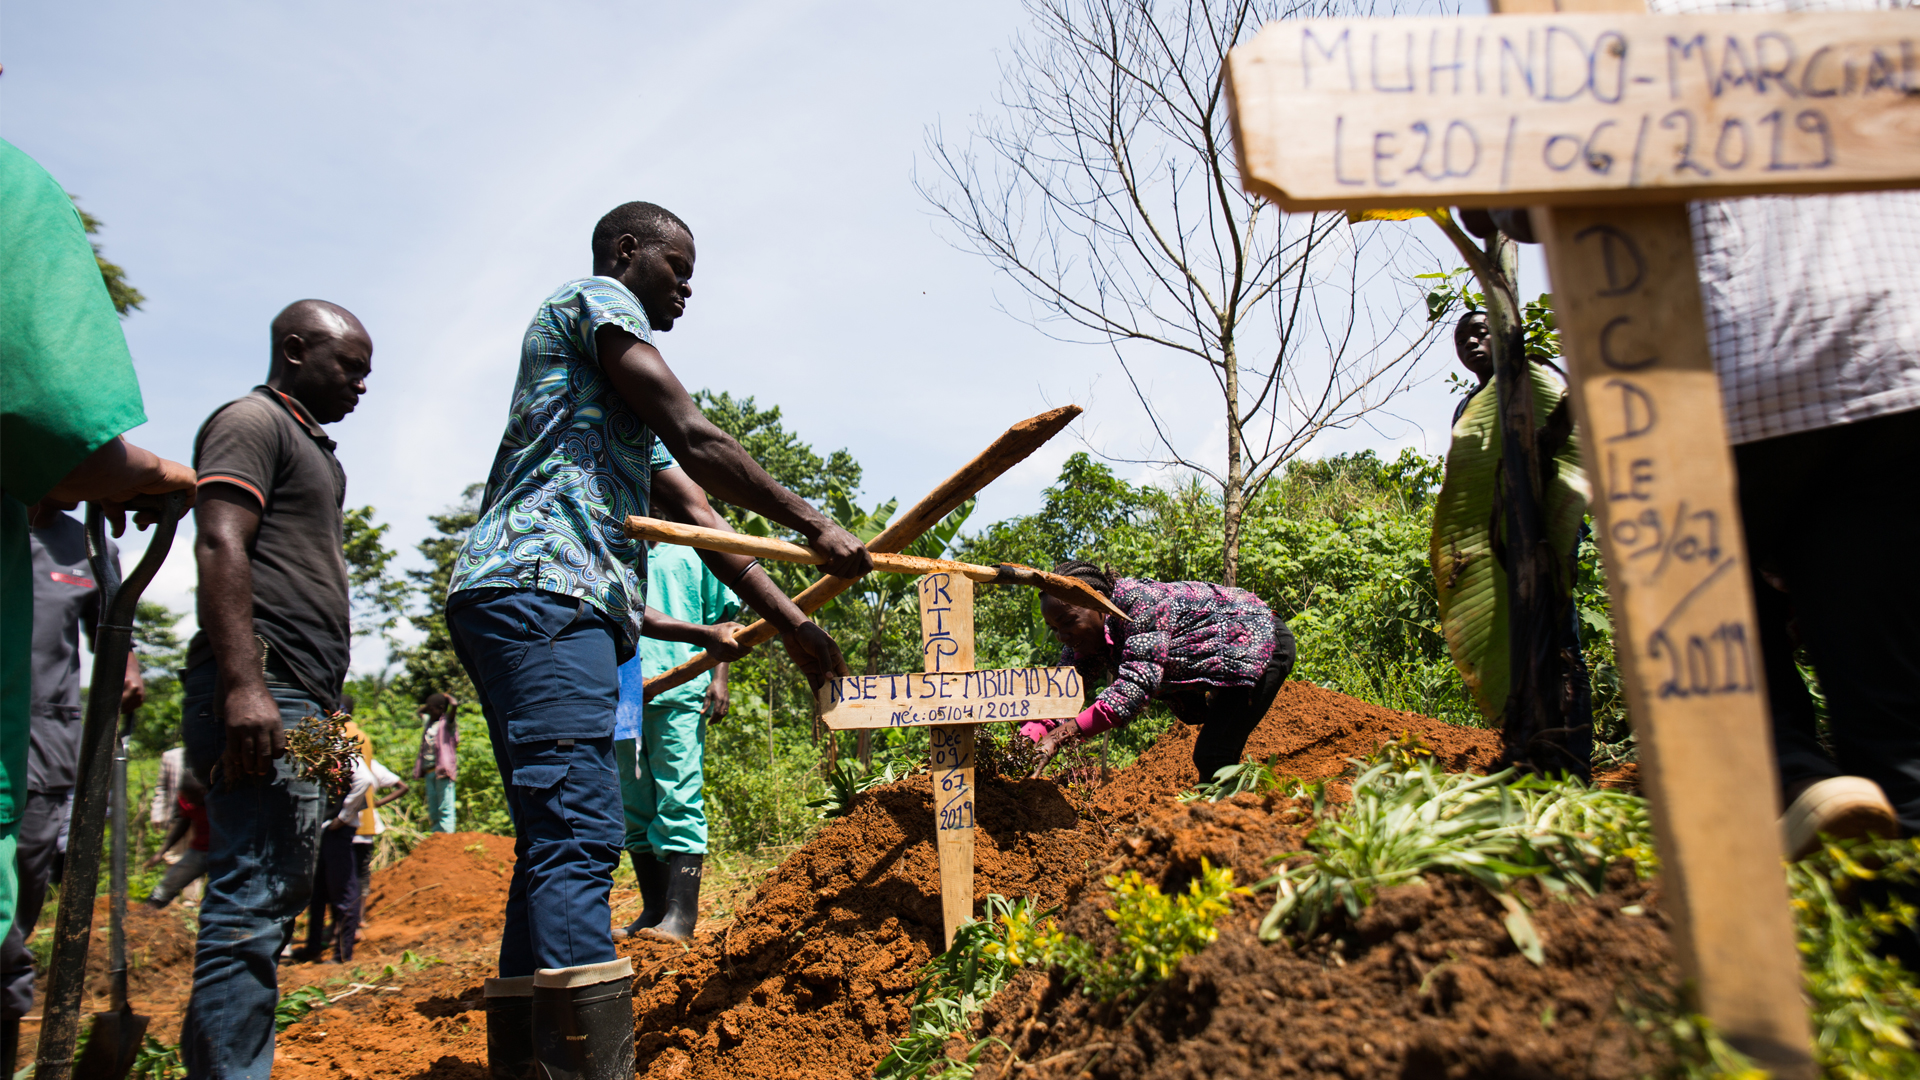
(1215, 655)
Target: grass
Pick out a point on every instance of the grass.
(1409, 817)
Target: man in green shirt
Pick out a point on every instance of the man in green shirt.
(67, 392)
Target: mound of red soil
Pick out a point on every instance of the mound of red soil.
(1313, 733)
(157, 942)
(815, 976)
(452, 888)
(1427, 983)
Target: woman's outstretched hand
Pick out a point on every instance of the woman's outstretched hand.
(1053, 742)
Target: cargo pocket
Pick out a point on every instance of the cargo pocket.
(539, 776)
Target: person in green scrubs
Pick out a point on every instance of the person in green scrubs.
(67, 393)
(661, 771)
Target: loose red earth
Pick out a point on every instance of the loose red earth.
(813, 976)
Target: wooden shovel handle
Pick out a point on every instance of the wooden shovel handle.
(1066, 589)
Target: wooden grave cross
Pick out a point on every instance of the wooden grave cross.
(950, 698)
(1605, 120)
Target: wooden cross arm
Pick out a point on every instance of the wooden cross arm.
(1010, 449)
(1066, 589)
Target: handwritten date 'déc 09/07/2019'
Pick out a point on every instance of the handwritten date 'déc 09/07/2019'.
(1353, 112)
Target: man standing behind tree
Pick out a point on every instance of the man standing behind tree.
(547, 599)
(272, 650)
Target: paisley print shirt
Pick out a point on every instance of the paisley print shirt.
(1184, 635)
(574, 463)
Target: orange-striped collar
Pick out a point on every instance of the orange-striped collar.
(299, 411)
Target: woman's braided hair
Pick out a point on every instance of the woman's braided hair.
(1100, 578)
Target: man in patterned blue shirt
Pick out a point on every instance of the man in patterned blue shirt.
(548, 598)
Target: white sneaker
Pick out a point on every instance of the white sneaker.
(1843, 807)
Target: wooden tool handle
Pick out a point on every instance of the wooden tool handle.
(1010, 449)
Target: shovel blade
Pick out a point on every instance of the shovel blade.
(113, 1043)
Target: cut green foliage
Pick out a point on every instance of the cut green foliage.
(156, 1060)
(846, 782)
(1410, 817)
(1866, 1008)
(1696, 1049)
(1255, 776)
(957, 984)
(1156, 931)
(296, 1004)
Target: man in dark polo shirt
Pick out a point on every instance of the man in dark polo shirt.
(66, 599)
(272, 650)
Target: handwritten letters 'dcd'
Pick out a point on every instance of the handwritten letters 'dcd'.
(1352, 113)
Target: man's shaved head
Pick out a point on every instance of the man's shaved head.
(644, 221)
(322, 356)
(314, 320)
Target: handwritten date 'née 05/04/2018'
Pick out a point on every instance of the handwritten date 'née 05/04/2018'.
(1411, 108)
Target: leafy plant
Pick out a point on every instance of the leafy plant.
(156, 1060)
(1408, 817)
(1155, 931)
(1866, 1007)
(845, 782)
(320, 750)
(296, 1004)
(1254, 776)
(957, 984)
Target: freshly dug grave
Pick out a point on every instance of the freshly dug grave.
(1426, 983)
(1310, 733)
(813, 977)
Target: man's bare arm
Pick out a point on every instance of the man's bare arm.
(716, 639)
(710, 456)
(228, 521)
(116, 472)
(677, 498)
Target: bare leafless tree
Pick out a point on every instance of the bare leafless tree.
(1107, 189)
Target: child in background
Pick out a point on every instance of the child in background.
(1215, 655)
(439, 759)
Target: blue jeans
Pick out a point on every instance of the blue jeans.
(545, 668)
(439, 802)
(266, 839)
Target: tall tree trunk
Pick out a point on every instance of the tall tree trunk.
(1542, 729)
(1234, 497)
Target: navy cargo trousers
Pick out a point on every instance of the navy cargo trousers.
(546, 669)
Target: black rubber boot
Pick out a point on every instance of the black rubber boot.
(510, 1028)
(583, 1022)
(683, 898)
(652, 875)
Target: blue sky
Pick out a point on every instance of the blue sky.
(437, 168)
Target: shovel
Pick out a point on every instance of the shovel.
(1065, 589)
(117, 1034)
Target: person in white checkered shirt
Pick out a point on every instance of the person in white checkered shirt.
(1813, 316)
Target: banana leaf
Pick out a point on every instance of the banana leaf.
(1467, 522)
